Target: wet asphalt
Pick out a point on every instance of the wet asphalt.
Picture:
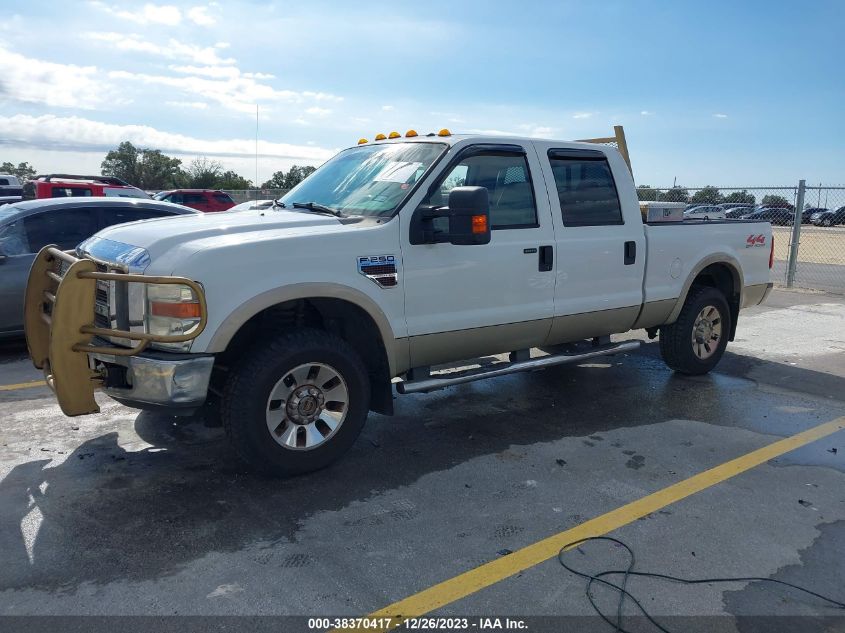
(136, 513)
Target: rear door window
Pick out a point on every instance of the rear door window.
(64, 227)
(13, 240)
(586, 190)
(71, 192)
(112, 216)
(193, 198)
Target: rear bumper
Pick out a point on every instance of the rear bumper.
(153, 381)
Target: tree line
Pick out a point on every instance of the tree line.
(707, 195)
(152, 170)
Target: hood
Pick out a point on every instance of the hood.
(193, 232)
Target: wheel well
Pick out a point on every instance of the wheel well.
(342, 318)
(725, 279)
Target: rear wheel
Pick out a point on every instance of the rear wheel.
(827, 222)
(694, 343)
(296, 404)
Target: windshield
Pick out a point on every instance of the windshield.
(369, 180)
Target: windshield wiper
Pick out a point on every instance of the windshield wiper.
(316, 207)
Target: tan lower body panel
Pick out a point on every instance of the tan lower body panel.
(655, 313)
(756, 294)
(577, 327)
(445, 347)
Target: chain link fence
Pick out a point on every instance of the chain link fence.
(809, 244)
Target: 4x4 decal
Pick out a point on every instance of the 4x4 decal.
(755, 240)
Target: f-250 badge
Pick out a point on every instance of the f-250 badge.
(380, 268)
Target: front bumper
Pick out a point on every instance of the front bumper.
(59, 319)
(154, 381)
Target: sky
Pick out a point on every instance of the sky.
(730, 93)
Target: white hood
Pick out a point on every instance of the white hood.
(196, 232)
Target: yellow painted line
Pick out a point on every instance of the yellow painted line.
(23, 385)
(490, 573)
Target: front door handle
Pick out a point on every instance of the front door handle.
(630, 253)
(546, 259)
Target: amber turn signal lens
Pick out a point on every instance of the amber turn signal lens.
(394, 135)
(479, 224)
(361, 141)
(175, 310)
(410, 133)
(380, 137)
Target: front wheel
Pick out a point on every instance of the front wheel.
(694, 343)
(827, 222)
(297, 403)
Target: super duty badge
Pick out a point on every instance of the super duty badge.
(380, 268)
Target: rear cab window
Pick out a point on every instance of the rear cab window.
(71, 192)
(585, 188)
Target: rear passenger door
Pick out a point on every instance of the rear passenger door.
(600, 257)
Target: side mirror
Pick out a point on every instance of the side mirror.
(469, 215)
(467, 219)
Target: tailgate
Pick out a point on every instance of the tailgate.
(59, 322)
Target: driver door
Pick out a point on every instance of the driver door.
(466, 301)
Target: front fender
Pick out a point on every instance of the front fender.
(397, 354)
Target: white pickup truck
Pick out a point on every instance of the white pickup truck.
(393, 258)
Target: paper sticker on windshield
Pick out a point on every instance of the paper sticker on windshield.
(398, 172)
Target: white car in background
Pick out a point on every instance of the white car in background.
(705, 212)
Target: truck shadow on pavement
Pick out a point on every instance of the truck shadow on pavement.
(105, 513)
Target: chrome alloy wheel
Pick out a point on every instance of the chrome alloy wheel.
(707, 332)
(307, 406)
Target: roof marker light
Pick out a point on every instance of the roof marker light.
(394, 135)
(380, 137)
(444, 132)
(361, 141)
(410, 133)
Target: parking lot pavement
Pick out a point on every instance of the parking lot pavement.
(127, 513)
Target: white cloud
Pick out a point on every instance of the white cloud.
(216, 72)
(646, 113)
(318, 111)
(58, 85)
(196, 105)
(719, 115)
(582, 115)
(77, 134)
(148, 14)
(387, 108)
(174, 49)
(233, 91)
(199, 15)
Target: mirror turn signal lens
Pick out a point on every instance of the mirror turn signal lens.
(479, 224)
(175, 310)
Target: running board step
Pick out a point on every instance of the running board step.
(502, 369)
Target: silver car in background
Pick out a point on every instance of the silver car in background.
(26, 227)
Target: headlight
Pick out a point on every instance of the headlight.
(171, 310)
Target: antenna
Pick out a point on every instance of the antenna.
(256, 152)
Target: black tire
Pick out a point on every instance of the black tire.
(676, 340)
(243, 406)
(827, 222)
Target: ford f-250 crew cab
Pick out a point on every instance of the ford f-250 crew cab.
(393, 258)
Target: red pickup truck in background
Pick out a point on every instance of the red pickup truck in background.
(74, 186)
(207, 200)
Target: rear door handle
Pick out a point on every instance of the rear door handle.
(630, 253)
(546, 258)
